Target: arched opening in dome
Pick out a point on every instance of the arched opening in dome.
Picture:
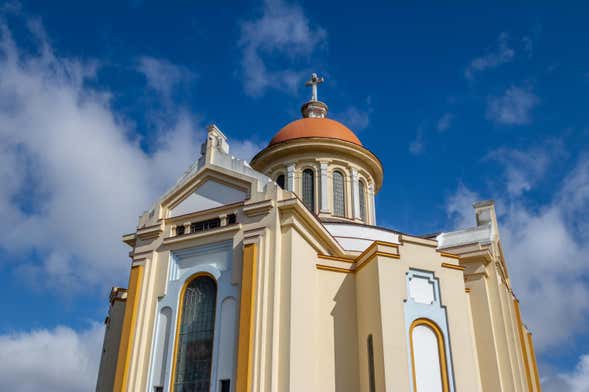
(308, 189)
(280, 180)
(339, 203)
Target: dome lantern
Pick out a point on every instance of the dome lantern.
(314, 108)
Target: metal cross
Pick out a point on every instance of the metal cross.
(313, 82)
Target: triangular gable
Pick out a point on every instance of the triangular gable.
(209, 194)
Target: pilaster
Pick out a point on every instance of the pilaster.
(324, 207)
(290, 177)
(128, 331)
(372, 206)
(355, 193)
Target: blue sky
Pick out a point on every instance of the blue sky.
(104, 105)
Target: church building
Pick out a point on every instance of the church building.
(273, 276)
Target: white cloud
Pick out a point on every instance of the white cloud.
(445, 122)
(246, 149)
(284, 34)
(575, 381)
(58, 360)
(495, 57)
(459, 207)
(528, 44)
(523, 169)
(73, 174)
(514, 107)
(417, 145)
(163, 76)
(545, 248)
(356, 118)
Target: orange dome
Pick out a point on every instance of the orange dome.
(315, 127)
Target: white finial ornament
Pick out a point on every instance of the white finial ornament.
(313, 82)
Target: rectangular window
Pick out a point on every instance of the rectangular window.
(371, 379)
(231, 219)
(225, 385)
(205, 225)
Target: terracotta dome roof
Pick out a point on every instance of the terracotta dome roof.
(315, 127)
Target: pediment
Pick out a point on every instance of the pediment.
(209, 188)
(209, 194)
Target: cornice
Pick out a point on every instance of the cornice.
(205, 214)
(417, 240)
(284, 151)
(258, 208)
(191, 236)
(149, 232)
(294, 213)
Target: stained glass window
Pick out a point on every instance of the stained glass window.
(339, 207)
(362, 195)
(195, 341)
(309, 189)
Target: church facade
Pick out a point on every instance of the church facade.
(273, 276)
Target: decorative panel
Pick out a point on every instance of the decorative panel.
(426, 321)
(421, 290)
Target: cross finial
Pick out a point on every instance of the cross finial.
(313, 82)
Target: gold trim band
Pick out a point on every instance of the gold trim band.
(246, 319)
(128, 330)
(533, 354)
(334, 269)
(451, 255)
(327, 257)
(453, 266)
(523, 344)
(441, 351)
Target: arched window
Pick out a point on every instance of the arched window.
(280, 181)
(339, 206)
(362, 195)
(428, 357)
(194, 347)
(309, 189)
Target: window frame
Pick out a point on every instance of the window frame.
(313, 171)
(441, 351)
(362, 200)
(180, 313)
(343, 193)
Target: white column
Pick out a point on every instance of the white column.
(324, 193)
(290, 177)
(355, 194)
(372, 207)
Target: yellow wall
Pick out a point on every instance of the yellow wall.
(337, 353)
(246, 314)
(369, 322)
(128, 331)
